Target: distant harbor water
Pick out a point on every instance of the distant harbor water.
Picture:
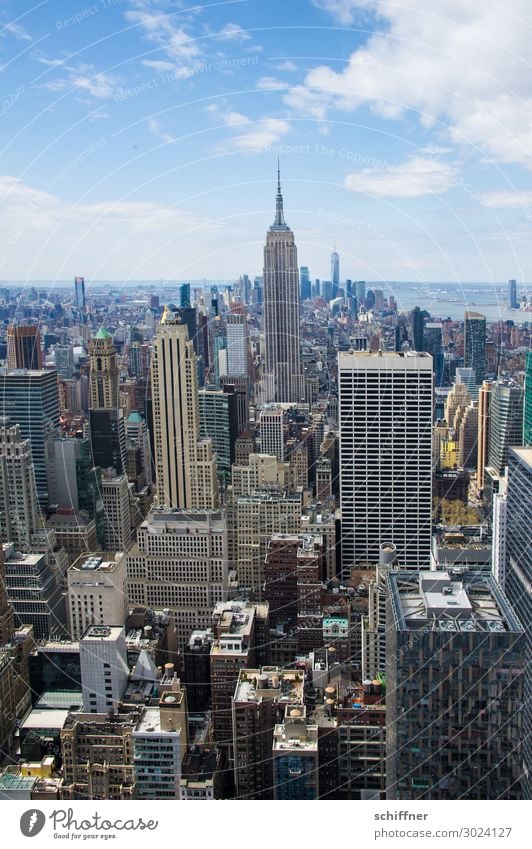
(441, 300)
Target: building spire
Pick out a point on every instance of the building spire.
(279, 214)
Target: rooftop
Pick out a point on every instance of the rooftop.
(270, 682)
(453, 600)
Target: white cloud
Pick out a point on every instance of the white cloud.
(344, 11)
(286, 65)
(45, 236)
(416, 177)
(233, 32)
(158, 65)
(507, 200)
(17, 31)
(169, 32)
(155, 127)
(270, 83)
(83, 77)
(257, 134)
(459, 64)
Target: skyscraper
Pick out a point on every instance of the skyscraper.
(417, 329)
(335, 273)
(512, 295)
(517, 579)
(385, 402)
(506, 423)
(237, 342)
(30, 399)
(474, 344)
(180, 562)
(108, 436)
(283, 376)
(19, 510)
(434, 347)
(185, 465)
(79, 298)
(103, 391)
(484, 398)
(454, 684)
(527, 407)
(104, 669)
(304, 283)
(24, 347)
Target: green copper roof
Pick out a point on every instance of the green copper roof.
(103, 334)
(135, 417)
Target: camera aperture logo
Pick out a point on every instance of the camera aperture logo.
(32, 822)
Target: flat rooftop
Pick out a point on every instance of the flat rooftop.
(452, 600)
(271, 682)
(45, 718)
(524, 455)
(102, 632)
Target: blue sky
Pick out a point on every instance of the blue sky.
(139, 138)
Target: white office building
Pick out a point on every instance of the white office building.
(104, 669)
(385, 401)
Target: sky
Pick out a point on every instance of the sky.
(139, 138)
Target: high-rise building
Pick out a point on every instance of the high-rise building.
(19, 509)
(159, 745)
(103, 389)
(271, 429)
(7, 614)
(468, 437)
(237, 342)
(453, 721)
(434, 347)
(137, 432)
(517, 579)
(257, 516)
(34, 593)
(64, 360)
(305, 290)
(24, 347)
(512, 295)
(30, 399)
(259, 703)
(186, 472)
(506, 423)
(116, 504)
(79, 298)
(527, 407)
(385, 402)
(108, 439)
(483, 441)
(475, 344)
(282, 367)
(104, 669)
(180, 562)
(95, 593)
(218, 418)
(335, 273)
(295, 757)
(417, 330)
(240, 628)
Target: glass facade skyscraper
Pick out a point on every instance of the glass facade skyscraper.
(518, 578)
(475, 344)
(30, 398)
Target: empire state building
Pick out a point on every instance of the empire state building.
(283, 377)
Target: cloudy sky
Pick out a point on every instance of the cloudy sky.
(139, 138)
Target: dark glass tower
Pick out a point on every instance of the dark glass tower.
(475, 344)
(518, 577)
